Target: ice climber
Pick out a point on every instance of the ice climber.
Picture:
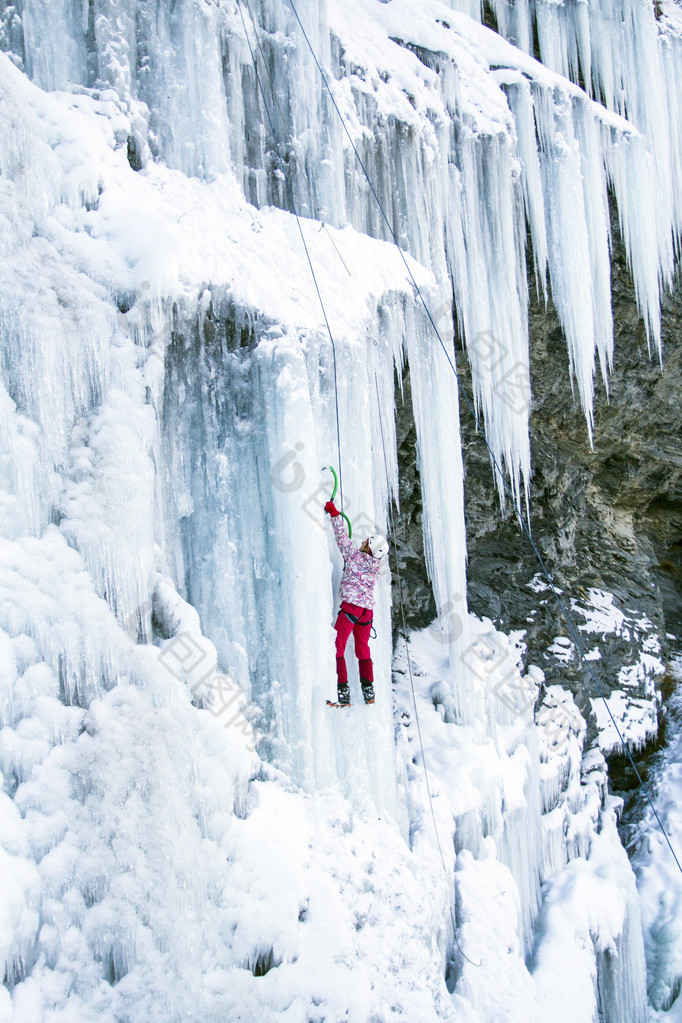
(360, 572)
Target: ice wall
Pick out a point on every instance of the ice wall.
(152, 427)
(258, 401)
(165, 416)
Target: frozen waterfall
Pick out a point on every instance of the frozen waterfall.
(187, 833)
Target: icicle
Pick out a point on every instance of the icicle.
(568, 237)
(493, 303)
(433, 387)
(513, 22)
(518, 91)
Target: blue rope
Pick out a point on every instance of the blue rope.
(495, 462)
(411, 677)
(298, 222)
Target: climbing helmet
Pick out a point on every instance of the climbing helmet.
(378, 545)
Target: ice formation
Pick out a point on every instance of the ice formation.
(185, 833)
(656, 877)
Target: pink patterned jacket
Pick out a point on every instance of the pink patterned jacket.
(360, 571)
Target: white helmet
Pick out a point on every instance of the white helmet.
(378, 545)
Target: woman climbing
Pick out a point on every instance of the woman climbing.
(360, 572)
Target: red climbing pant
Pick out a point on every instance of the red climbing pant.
(361, 630)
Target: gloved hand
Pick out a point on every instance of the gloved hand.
(331, 509)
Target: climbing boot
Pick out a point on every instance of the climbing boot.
(344, 694)
(367, 690)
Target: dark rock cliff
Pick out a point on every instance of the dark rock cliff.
(607, 517)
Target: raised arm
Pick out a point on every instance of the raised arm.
(345, 545)
(344, 542)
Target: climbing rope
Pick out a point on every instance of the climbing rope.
(494, 460)
(283, 119)
(409, 671)
(286, 178)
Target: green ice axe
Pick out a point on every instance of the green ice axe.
(336, 487)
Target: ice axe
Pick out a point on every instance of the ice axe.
(336, 487)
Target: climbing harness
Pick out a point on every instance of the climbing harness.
(336, 485)
(358, 621)
(494, 461)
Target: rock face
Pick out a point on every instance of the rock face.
(607, 517)
(408, 540)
